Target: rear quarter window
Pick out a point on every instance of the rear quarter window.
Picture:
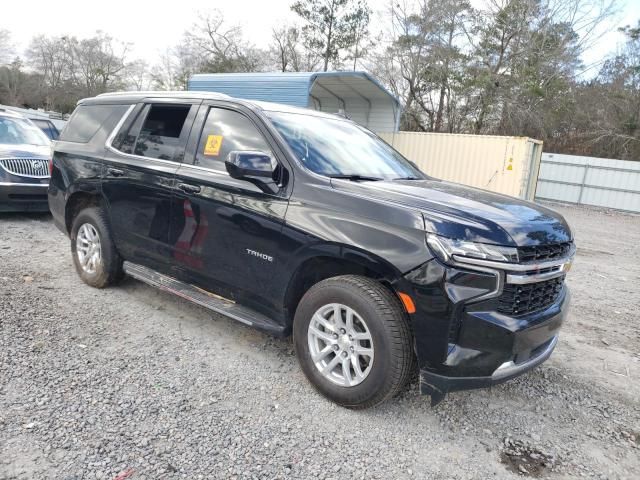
(87, 120)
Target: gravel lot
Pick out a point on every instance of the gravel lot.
(130, 382)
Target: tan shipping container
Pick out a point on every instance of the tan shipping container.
(506, 165)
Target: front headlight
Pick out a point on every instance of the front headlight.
(447, 248)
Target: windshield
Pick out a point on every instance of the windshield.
(333, 147)
(18, 131)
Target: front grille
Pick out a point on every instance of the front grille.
(26, 167)
(529, 297)
(539, 253)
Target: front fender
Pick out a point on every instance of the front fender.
(346, 254)
(388, 231)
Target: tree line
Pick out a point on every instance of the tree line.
(509, 67)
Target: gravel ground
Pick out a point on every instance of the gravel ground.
(130, 382)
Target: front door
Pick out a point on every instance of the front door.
(138, 178)
(225, 231)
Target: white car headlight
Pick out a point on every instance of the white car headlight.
(447, 248)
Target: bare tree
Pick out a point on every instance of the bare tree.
(606, 118)
(362, 41)
(423, 61)
(289, 53)
(176, 66)
(526, 54)
(51, 57)
(500, 66)
(221, 47)
(71, 68)
(163, 73)
(137, 75)
(283, 46)
(503, 66)
(97, 62)
(331, 26)
(11, 80)
(502, 31)
(6, 46)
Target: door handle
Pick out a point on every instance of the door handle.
(185, 187)
(115, 172)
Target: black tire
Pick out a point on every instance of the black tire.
(108, 270)
(389, 328)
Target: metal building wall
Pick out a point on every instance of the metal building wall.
(291, 88)
(506, 165)
(594, 181)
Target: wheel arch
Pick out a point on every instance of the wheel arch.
(78, 201)
(331, 260)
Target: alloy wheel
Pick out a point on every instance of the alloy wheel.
(340, 344)
(88, 248)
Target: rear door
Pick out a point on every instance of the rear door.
(225, 232)
(138, 177)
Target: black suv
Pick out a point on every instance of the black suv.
(296, 221)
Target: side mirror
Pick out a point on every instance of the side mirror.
(255, 167)
(246, 165)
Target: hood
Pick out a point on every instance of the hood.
(457, 211)
(24, 150)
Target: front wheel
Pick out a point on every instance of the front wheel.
(94, 254)
(353, 341)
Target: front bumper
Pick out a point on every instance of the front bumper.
(462, 341)
(439, 385)
(25, 196)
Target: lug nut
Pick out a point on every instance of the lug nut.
(351, 348)
(344, 354)
(343, 331)
(336, 347)
(335, 335)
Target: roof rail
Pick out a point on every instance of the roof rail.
(170, 93)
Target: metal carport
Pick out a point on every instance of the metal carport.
(356, 94)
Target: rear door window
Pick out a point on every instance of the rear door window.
(125, 140)
(225, 131)
(158, 132)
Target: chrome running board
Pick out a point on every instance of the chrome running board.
(203, 298)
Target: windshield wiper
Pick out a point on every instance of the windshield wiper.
(356, 178)
(408, 178)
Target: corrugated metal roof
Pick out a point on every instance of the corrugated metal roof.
(358, 94)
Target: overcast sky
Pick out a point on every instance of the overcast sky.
(152, 26)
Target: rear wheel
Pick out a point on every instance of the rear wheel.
(353, 341)
(94, 255)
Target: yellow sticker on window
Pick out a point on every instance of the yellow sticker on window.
(212, 147)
